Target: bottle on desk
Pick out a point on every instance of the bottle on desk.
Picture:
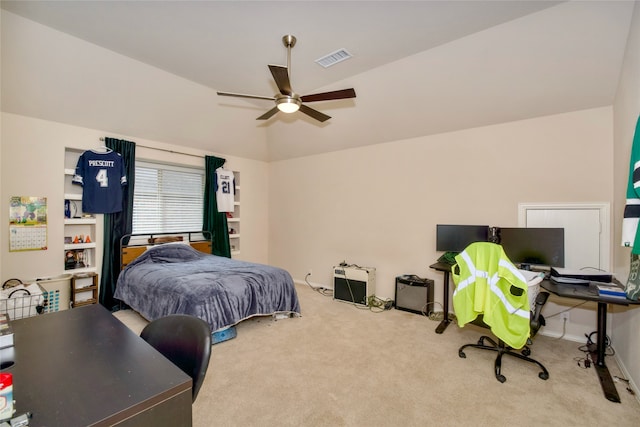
(6, 396)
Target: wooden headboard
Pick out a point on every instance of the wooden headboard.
(134, 245)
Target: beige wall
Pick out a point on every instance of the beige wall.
(33, 165)
(378, 206)
(625, 322)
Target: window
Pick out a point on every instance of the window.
(167, 199)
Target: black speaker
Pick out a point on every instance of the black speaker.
(414, 294)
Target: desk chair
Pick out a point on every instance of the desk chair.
(490, 292)
(185, 341)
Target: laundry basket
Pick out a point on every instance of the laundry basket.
(20, 300)
(57, 291)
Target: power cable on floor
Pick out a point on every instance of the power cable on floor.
(319, 289)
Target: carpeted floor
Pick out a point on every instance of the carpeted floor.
(339, 365)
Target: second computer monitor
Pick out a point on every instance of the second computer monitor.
(533, 246)
(455, 238)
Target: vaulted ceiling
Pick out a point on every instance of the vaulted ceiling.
(151, 69)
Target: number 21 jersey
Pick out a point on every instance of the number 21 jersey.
(102, 176)
(225, 190)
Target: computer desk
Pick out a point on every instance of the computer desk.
(590, 293)
(446, 269)
(83, 367)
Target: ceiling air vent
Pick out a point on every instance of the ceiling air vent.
(333, 58)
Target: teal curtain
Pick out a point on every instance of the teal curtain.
(117, 225)
(214, 221)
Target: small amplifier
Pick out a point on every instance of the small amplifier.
(414, 294)
(354, 284)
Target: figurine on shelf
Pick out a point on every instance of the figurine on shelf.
(80, 259)
(75, 258)
(70, 260)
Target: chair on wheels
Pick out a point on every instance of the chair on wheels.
(185, 341)
(492, 293)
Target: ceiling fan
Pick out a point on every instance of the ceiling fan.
(287, 100)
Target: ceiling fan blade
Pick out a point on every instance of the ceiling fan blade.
(268, 114)
(241, 95)
(327, 96)
(314, 113)
(281, 76)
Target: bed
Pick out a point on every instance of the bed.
(164, 275)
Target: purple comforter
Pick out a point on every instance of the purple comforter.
(175, 278)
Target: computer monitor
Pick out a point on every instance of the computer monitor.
(533, 246)
(454, 238)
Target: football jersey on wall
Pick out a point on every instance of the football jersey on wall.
(225, 190)
(102, 177)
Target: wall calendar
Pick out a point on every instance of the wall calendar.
(27, 223)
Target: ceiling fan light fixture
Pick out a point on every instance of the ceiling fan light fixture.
(287, 100)
(288, 104)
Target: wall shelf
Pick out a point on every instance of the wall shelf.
(81, 270)
(72, 246)
(233, 223)
(73, 196)
(79, 221)
(84, 254)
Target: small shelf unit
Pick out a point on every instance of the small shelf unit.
(84, 289)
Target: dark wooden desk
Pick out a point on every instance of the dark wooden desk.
(83, 367)
(446, 269)
(590, 293)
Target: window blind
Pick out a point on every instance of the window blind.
(167, 198)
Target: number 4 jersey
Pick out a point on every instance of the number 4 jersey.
(103, 177)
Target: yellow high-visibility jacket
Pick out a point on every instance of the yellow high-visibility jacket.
(484, 286)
